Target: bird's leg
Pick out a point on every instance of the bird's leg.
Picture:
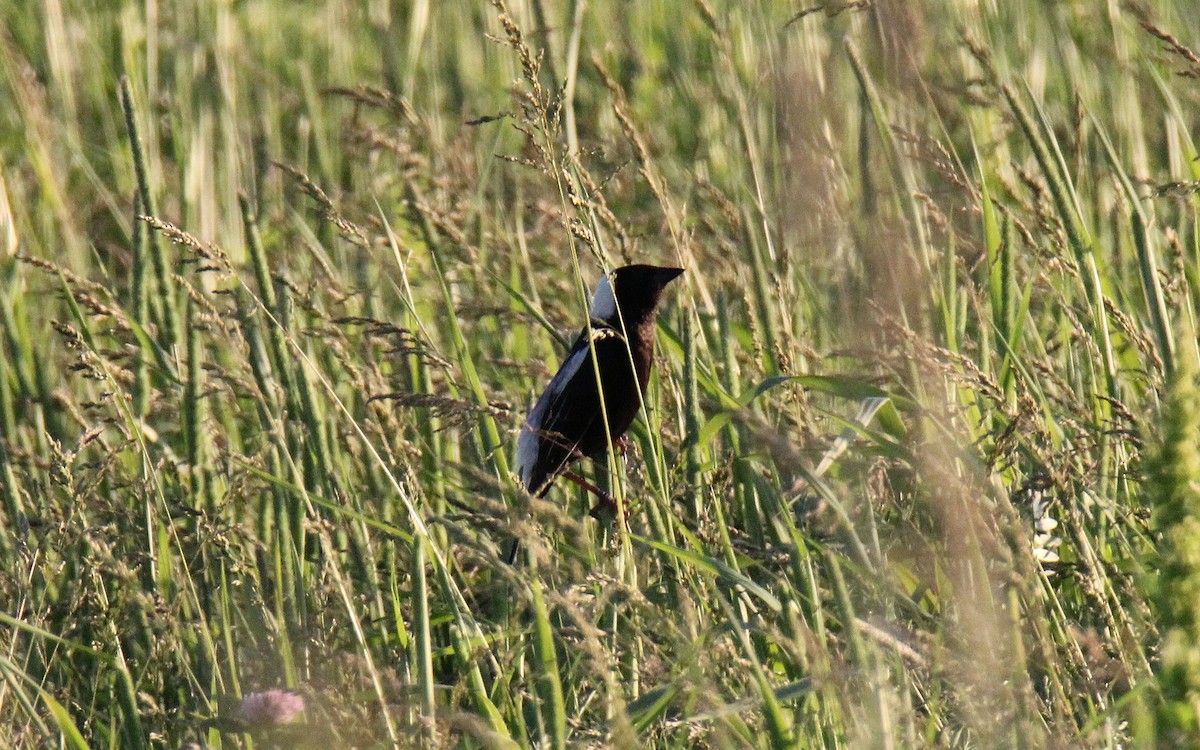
(621, 446)
(606, 507)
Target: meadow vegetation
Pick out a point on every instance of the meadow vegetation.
(918, 466)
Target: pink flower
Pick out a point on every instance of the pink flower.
(270, 707)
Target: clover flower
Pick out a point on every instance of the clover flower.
(270, 708)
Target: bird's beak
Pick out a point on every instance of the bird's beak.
(667, 275)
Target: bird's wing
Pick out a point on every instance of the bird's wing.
(568, 411)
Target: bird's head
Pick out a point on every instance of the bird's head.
(634, 291)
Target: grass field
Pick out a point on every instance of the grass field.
(919, 465)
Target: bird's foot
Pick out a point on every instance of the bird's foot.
(621, 446)
(606, 508)
(607, 511)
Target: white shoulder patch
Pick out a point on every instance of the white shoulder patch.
(604, 302)
(535, 424)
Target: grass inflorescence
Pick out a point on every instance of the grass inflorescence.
(917, 467)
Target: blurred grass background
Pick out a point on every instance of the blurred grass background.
(278, 282)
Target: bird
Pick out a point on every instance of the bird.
(567, 422)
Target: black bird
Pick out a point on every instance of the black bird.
(567, 422)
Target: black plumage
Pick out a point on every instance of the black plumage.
(567, 422)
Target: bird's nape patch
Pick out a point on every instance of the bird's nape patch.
(604, 301)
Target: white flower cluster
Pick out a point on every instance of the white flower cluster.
(1045, 542)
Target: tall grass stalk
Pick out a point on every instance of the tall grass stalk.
(274, 304)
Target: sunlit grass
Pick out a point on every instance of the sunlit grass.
(279, 283)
